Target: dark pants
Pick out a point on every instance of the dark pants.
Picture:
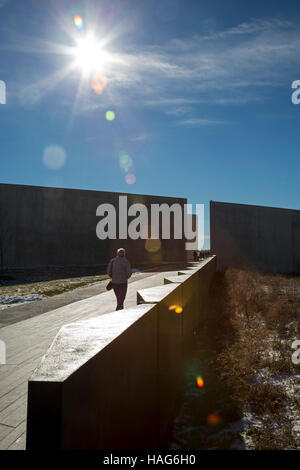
(120, 292)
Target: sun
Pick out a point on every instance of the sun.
(90, 56)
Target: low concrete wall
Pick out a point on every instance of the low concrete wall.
(114, 382)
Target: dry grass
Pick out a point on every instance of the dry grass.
(49, 288)
(261, 318)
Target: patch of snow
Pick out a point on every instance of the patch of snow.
(3, 307)
(18, 299)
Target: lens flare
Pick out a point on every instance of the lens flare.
(78, 21)
(176, 308)
(153, 245)
(200, 381)
(138, 199)
(130, 178)
(98, 84)
(125, 162)
(213, 419)
(110, 115)
(54, 157)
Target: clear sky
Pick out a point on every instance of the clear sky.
(199, 94)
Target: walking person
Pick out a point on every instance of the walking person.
(119, 270)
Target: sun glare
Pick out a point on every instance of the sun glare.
(90, 56)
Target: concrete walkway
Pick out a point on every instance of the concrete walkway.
(27, 310)
(27, 341)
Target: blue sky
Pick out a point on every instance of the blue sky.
(200, 90)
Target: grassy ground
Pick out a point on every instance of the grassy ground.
(261, 316)
(15, 293)
(251, 393)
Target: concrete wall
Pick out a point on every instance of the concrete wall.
(115, 381)
(57, 227)
(255, 237)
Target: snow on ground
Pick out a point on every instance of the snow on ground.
(12, 300)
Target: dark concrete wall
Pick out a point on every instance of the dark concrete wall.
(115, 381)
(99, 399)
(42, 226)
(255, 237)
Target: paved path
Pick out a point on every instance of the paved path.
(27, 310)
(27, 341)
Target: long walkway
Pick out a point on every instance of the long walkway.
(24, 311)
(27, 341)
